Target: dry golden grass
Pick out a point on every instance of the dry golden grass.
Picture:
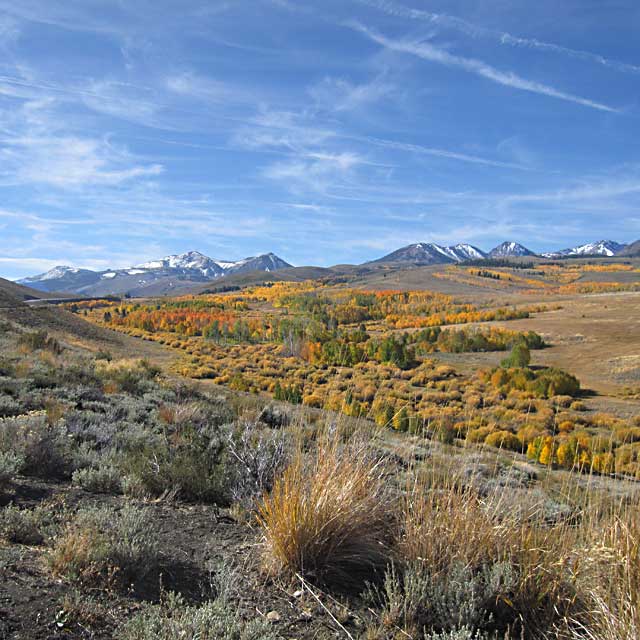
(334, 517)
(610, 584)
(446, 527)
(77, 554)
(328, 517)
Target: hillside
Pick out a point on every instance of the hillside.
(12, 292)
(631, 250)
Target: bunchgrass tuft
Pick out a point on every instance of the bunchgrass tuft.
(329, 517)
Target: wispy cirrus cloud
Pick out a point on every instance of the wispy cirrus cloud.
(428, 51)
(503, 37)
(190, 84)
(293, 132)
(68, 162)
(40, 146)
(314, 172)
(440, 153)
(339, 94)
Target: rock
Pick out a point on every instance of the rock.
(298, 594)
(273, 617)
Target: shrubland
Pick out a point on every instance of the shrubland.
(344, 350)
(392, 497)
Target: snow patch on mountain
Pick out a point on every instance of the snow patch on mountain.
(607, 248)
(191, 266)
(509, 250)
(57, 272)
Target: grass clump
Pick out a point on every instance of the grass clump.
(465, 564)
(39, 340)
(611, 583)
(328, 517)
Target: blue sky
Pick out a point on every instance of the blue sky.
(326, 131)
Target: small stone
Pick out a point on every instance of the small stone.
(273, 617)
(298, 594)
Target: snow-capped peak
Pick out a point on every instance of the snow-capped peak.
(57, 272)
(189, 260)
(605, 248)
(510, 249)
(226, 264)
(467, 252)
(601, 248)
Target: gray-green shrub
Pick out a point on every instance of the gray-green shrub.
(175, 620)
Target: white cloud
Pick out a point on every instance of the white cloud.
(338, 94)
(314, 171)
(441, 153)
(68, 162)
(193, 85)
(474, 30)
(427, 51)
(129, 102)
(281, 130)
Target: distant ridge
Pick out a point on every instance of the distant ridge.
(428, 253)
(150, 278)
(631, 250)
(431, 253)
(607, 248)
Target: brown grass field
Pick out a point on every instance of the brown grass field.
(597, 337)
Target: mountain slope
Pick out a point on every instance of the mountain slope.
(420, 253)
(266, 262)
(12, 292)
(510, 250)
(425, 253)
(631, 250)
(607, 248)
(62, 278)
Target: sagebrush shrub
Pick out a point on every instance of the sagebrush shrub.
(173, 619)
(417, 598)
(10, 465)
(191, 464)
(103, 543)
(256, 456)
(21, 526)
(105, 478)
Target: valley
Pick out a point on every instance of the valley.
(173, 422)
(415, 360)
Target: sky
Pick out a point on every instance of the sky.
(326, 131)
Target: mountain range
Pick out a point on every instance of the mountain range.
(607, 248)
(178, 273)
(426, 253)
(150, 278)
